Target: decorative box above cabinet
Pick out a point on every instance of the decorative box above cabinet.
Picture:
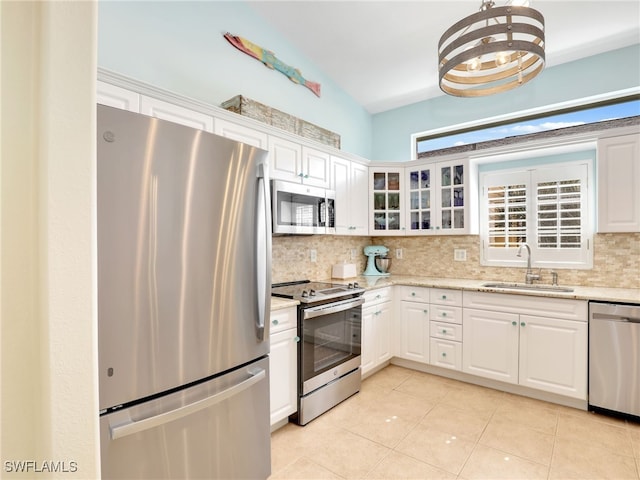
(386, 201)
(438, 197)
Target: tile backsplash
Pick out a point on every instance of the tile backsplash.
(616, 259)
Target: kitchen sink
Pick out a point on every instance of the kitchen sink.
(524, 286)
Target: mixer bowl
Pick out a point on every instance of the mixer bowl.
(383, 264)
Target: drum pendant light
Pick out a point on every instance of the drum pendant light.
(492, 51)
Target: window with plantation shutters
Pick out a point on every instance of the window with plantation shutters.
(546, 207)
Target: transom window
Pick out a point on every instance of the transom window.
(545, 203)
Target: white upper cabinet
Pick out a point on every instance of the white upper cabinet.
(438, 197)
(117, 97)
(350, 182)
(619, 184)
(294, 162)
(240, 133)
(316, 167)
(175, 113)
(286, 159)
(386, 201)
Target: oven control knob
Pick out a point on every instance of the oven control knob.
(305, 294)
(312, 293)
(355, 285)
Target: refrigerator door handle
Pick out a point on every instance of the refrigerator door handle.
(263, 248)
(130, 427)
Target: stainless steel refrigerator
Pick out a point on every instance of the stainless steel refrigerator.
(184, 273)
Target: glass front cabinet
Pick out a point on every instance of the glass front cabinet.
(437, 196)
(387, 201)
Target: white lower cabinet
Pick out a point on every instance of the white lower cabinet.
(377, 313)
(283, 364)
(553, 355)
(414, 332)
(512, 344)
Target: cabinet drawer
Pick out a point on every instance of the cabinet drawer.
(414, 294)
(446, 354)
(283, 319)
(444, 313)
(447, 331)
(379, 295)
(445, 296)
(567, 309)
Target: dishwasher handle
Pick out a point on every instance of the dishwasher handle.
(614, 312)
(131, 426)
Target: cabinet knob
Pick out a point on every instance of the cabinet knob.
(275, 321)
(522, 324)
(444, 331)
(296, 339)
(444, 354)
(413, 294)
(378, 296)
(444, 297)
(444, 314)
(514, 323)
(425, 311)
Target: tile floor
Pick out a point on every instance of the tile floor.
(411, 425)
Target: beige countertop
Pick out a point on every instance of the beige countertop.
(278, 303)
(627, 295)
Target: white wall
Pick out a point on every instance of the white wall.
(49, 399)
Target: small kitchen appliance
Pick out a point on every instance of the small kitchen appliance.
(373, 251)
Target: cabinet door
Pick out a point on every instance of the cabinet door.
(285, 159)
(386, 201)
(282, 374)
(240, 133)
(368, 339)
(175, 113)
(117, 97)
(414, 331)
(383, 333)
(340, 170)
(619, 184)
(490, 344)
(316, 168)
(452, 197)
(421, 189)
(553, 355)
(358, 206)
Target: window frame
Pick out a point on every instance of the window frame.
(533, 165)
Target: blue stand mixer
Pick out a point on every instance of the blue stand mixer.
(372, 252)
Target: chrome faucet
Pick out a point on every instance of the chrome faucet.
(529, 276)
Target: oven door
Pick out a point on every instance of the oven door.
(330, 345)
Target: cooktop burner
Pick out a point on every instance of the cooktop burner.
(306, 291)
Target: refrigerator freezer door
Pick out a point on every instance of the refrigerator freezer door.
(183, 255)
(215, 430)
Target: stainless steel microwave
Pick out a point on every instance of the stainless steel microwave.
(302, 209)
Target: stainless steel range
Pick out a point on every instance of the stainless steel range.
(329, 326)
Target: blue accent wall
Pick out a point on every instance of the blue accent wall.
(599, 74)
(178, 46)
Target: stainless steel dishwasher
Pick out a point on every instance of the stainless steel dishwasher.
(614, 358)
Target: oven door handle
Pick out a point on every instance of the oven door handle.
(331, 308)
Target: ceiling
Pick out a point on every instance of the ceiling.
(384, 53)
